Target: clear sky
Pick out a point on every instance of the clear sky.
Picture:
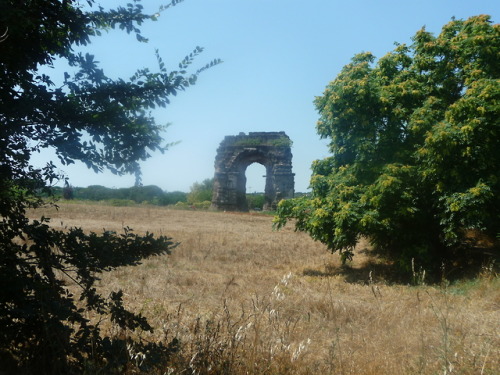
(278, 56)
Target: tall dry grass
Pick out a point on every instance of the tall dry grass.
(244, 299)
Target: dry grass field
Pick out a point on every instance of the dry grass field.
(244, 299)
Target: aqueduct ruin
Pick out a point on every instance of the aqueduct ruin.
(236, 153)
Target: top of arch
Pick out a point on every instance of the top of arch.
(257, 139)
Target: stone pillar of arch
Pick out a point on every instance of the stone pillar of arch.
(236, 153)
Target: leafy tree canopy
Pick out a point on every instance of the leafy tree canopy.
(201, 191)
(415, 140)
(105, 123)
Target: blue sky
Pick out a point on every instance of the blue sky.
(278, 56)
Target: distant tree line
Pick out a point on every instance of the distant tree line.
(199, 196)
(136, 194)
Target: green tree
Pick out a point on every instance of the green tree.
(68, 192)
(256, 201)
(96, 193)
(201, 191)
(105, 123)
(140, 194)
(172, 197)
(415, 141)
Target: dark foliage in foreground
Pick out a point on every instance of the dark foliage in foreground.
(105, 123)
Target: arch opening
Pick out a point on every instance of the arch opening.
(256, 178)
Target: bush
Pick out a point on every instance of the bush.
(255, 201)
(121, 202)
(201, 192)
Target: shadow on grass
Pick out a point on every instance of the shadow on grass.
(375, 270)
(369, 272)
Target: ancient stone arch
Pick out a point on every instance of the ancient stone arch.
(236, 153)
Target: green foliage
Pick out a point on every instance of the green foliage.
(144, 193)
(121, 202)
(201, 192)
(257, 141)
(202, 205)
(68, 192)
(281, 142)
(169, 198)
(105, 123)
(414, 141)
(256, 201)
(138, 194)
(98, 193)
